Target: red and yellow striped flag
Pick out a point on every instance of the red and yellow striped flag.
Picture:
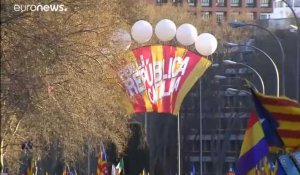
(287, 113)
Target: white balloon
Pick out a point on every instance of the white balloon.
(121, 38)
(186, 34)
(206, 44)
(165, 30)
(141, 31)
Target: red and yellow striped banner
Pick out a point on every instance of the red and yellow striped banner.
(161, 77)
(287, 113)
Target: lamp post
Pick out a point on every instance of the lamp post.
(230, 45)
(242, 24)
(229, 62)
(200, 129)
(233, 104)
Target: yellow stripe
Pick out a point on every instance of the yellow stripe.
(252, 136)
(99, 159)
(289, 142)
(274, 149)
(252, 171)
(157, 55)
(147, 102)
(293, 126)
(180, 52)
(194, 75)
(275, 97)
(283, 109)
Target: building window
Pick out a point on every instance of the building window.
(250, 3)
(224, 124)
(251, 15)
(232, 146)
(264, 3)
(221, 3)
(264, 16)
(235, 3)
(192, 3)
(206, 146)
(230, 72)
(195, 146)
(228, 102)
(278, 4)
(205, 15)
(205, 3)
(208, 167)
(220, 16)
(176, 1)
(161, 1)
(235, 15)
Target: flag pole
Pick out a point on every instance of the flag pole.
(89, 161)
(178, 138)
(200, 129)
(146, 125)
(146, 129)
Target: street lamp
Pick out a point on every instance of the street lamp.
(229, 62)
(215, 65)
(222, 77)
(240, 92)
(230, 45)
(237, 24)
(294, 27)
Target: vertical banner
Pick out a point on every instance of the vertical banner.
(286, 113)
(161, 77)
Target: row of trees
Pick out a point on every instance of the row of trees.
(57, 82)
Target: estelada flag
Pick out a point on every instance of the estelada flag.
(161, 76)
(286, 112)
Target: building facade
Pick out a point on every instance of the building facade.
(220, 9)
(213, 144)
(281, 10)
(282, 16)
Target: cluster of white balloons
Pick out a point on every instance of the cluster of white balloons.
(165, 30)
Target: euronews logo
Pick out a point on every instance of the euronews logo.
(40, 8)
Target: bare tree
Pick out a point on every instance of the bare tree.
(57, 83)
